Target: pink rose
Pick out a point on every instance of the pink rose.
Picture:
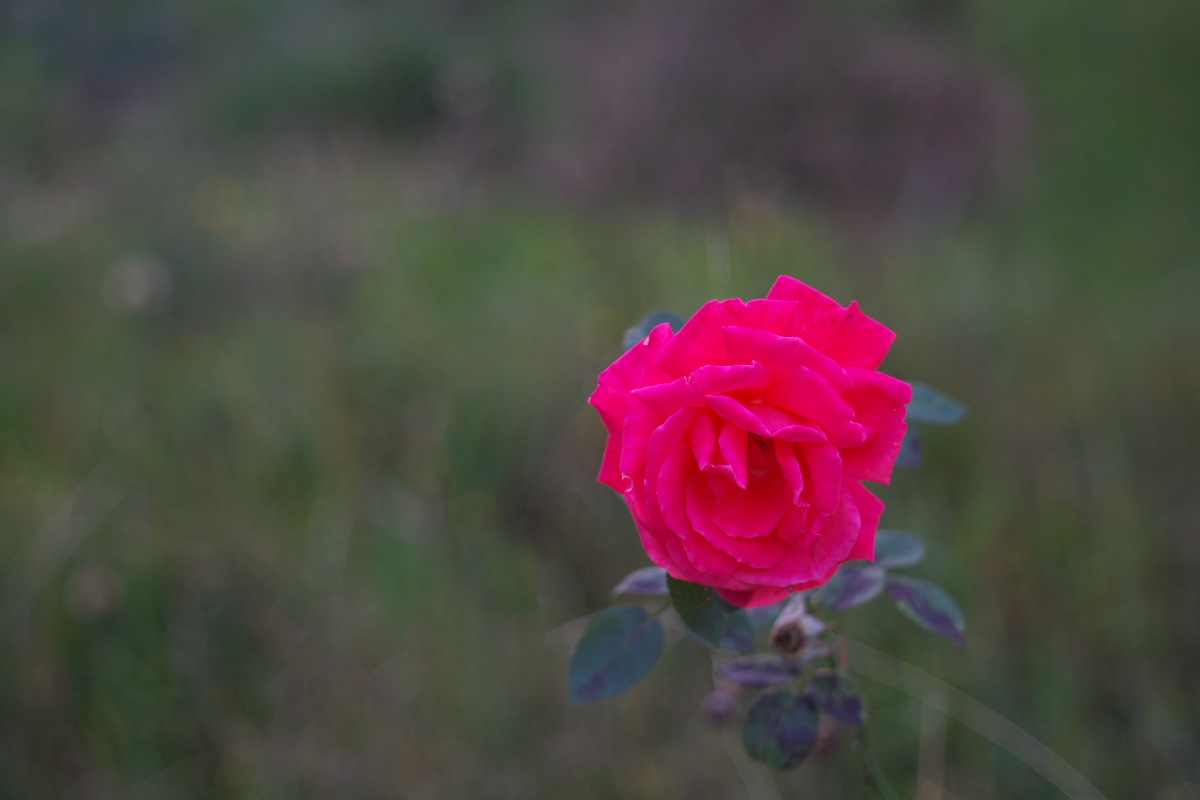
(740, 444)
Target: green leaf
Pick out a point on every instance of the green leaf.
(619, 647)
(910, 449)
(928, 606)
(932, 407)
(898, 549)
(702, 611)
(781, 728)
(855, 583)
(739, 633)
(725, 606)
(650, 581)
(838, 697)
(763, 616)
(649, 323)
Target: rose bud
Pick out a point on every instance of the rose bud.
(741, 443)
(721, 706)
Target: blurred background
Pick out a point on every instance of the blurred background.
(300, 304)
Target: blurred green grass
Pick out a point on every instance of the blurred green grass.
(296, 472)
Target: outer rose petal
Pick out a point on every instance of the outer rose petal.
(874, 460)
(880, 404)
(870, 510)
(846, 335)
(633, 369)
(700, 343)
(811, 302)
(753, 598)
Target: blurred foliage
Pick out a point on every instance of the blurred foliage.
(296, 471)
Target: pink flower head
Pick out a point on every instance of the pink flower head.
(740, 444)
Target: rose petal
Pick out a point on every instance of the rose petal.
(733, 444)
(764, 420)
(781, 354)
(823, 466)
(640, 425)
(846, 335)
(870, 511)
(753, 511)
(611, 398)
(874, 460)
(809, 300)
(850, 338)
(753, 598)
(812, 559)
(703, 557)
(896, 392)
(718, 379)
(667, 398)
(879, 403)
(703, 440)
(655, 548)
(671, 489)
(785, 454)
(806, 394)
(700, 343)
(838, 536)
(776, 316)
(759, 552)
(663, 442)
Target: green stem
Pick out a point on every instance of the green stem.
(876, 771)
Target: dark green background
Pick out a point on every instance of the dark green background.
(296, 471)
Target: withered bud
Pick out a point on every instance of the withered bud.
(720, 707)
(794, 627)
(788, 637)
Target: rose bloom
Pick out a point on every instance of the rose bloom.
(741, 443)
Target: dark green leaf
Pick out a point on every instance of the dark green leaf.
(932, 407)
(725, 606)
(701, 610)
(739, 633)
(619, 648)
(764, 616)
(649, 323)
(898, 549)
(781, 728)
(854, 584)
(910, 449)
(838, 697)
(758, 671)
(928, 606)
(650, 581)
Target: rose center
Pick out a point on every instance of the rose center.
(759, 456)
